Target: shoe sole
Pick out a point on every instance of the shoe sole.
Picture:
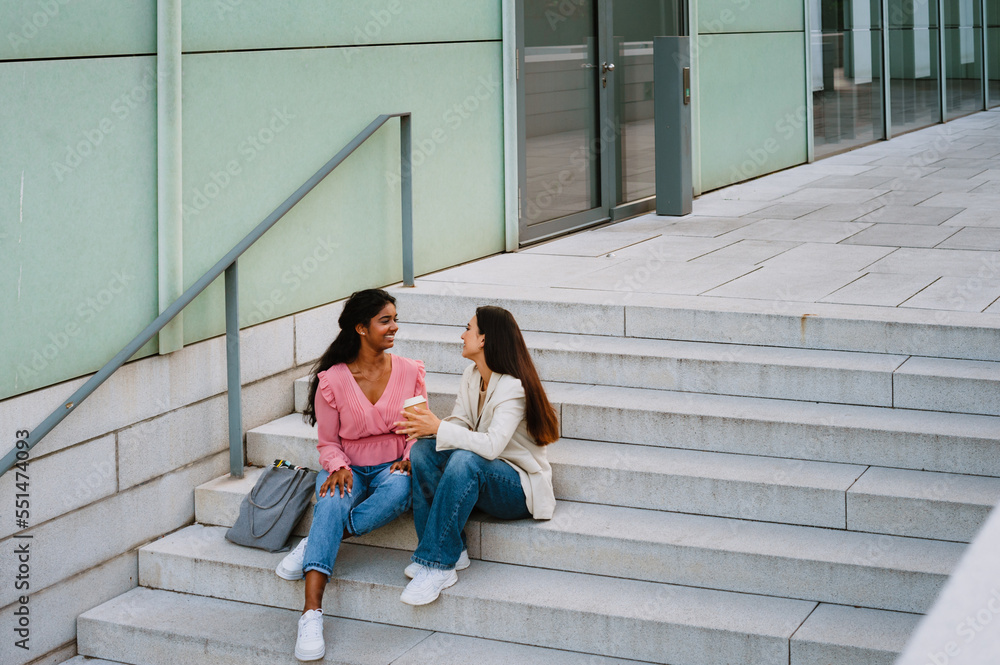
(450, 583)
(291, 577)
(310, 656)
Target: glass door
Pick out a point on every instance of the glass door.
(560, 82)
(585, 104)
(634, 23)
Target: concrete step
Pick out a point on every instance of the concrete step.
(154, 627)
(884, 572)
(945, 506)
(585, 613)
(838, 377)
(866, 435)
(963, 335)
(838, 634)
(722, 369)
(742, 486)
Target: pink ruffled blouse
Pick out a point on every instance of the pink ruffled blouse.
(352, 430)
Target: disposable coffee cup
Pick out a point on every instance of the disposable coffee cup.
(410, 405)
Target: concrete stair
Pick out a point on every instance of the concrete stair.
(735, 486)
(593, 614)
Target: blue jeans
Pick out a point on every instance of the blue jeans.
(447, 485)
(377, 497)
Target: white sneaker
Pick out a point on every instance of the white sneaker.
(463, 563)
(290, 567)
(310, 644)
(427, 585)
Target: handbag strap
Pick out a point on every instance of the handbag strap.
(291, 489)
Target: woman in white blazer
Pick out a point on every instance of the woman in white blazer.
(488, 454)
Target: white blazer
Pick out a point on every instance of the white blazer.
(501, 432)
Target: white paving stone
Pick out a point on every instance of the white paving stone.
(797, 230)
(960, 294)
(782, 285)
(880, 289)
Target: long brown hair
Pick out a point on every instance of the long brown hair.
(361, 307)
(506, 353)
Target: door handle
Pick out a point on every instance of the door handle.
(608, 66)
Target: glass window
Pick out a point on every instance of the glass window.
(913, 64)
(963, 43)
(561, 113)
(993, 50)
(846, 74)
(635, 23)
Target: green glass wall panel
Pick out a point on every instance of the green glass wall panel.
(77, 215)
(70, 28)
(257, 125)
(256, 24)
(765, 130)
(715, 16)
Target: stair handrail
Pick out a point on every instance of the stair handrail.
(228, 265)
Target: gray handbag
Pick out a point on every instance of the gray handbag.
(272, 508)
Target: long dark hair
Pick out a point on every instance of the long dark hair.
(506, 353)
(361, 308)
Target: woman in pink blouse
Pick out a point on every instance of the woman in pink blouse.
(355, 397)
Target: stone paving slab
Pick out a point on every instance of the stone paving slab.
(927, 199)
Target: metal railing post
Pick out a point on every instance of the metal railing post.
(406, 196)
(233, 371)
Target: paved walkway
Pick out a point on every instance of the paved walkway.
(909, 223)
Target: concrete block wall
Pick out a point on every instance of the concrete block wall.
(121, 470)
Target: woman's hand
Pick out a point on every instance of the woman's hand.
(403, 466)
(342, 479)
(421, 423)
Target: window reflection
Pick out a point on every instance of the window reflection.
(993, 50)
(846, 40)
(913, 64)
(963, 43)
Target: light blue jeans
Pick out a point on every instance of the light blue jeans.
(377, 497)
(447, 485)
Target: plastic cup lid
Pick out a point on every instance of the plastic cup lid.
(419, 399)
